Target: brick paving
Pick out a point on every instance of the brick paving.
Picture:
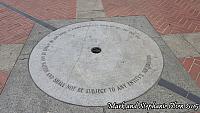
(192, 66)
(46, 9)
(14, 28)
(167, 16)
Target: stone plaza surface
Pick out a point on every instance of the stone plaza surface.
(179, 80)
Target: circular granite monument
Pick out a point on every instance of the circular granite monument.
(93, 63)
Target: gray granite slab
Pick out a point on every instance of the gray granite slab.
(194, 40)
(180, 47)
(8, 55)
(89, 9)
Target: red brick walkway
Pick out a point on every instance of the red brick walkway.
(46, 9)
(14, 28)
(167, 16)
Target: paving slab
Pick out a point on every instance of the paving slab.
(89, 5)
(8, 55)
(89, 9)
(193, 39)
(179, 46)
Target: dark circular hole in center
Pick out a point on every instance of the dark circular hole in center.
(96, 50)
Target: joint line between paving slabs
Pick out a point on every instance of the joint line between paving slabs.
(15, 61)
(190, 44)
(179, 90)
(30, 17)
